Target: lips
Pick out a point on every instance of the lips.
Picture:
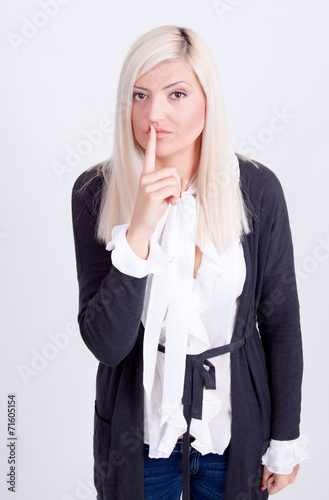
(161, 132)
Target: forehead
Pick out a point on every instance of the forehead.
(168, 72)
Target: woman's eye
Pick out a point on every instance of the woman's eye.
(178, 95)
(138, 96)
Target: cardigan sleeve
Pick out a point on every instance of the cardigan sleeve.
(110, 302)
(125, 259)
(278, 313)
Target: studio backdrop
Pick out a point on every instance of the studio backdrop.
(61, 61)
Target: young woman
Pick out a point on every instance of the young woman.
(187, 293)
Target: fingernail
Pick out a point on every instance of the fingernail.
(180, 194)
(262, 487)
(150, 128)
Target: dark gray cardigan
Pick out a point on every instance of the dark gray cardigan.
(266, 373)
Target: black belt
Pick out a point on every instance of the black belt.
(199, 372)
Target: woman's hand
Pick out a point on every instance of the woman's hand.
(157, 188)
(276, 482)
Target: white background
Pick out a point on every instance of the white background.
(59, 81)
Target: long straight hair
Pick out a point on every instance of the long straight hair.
(221, 214)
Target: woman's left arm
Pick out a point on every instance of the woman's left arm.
(279, 327)
(278, 312)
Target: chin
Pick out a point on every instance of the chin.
(163, 153)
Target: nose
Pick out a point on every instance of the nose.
(157, 109)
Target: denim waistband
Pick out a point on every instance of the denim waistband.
(179, 448)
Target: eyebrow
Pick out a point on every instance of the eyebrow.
(164, 88)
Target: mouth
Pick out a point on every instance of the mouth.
(160, 132)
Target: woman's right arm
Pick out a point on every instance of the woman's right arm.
(110, 302)
(111, 295)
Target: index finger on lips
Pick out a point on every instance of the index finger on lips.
(149, 159)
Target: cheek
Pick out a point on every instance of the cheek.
(200, 113)
(136, 127)
(195, 118)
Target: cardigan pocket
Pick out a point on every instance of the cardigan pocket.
(101, 445)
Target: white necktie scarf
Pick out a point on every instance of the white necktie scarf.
(170, 296)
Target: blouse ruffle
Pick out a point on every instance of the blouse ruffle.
(282, 456)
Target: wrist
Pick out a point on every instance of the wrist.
(138, 243)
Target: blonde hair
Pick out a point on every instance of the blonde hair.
(221, 215)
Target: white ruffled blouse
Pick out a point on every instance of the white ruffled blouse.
(189, 316)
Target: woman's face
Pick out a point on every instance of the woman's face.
(170, 98)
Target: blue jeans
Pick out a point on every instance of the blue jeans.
(163, 476)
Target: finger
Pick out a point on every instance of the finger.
(152, 184)
(266, 475)
(279, 482)
(163, 173)
(149, 159)
(266, 479)
(163, 194)
(273, 488)
(183, 183)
